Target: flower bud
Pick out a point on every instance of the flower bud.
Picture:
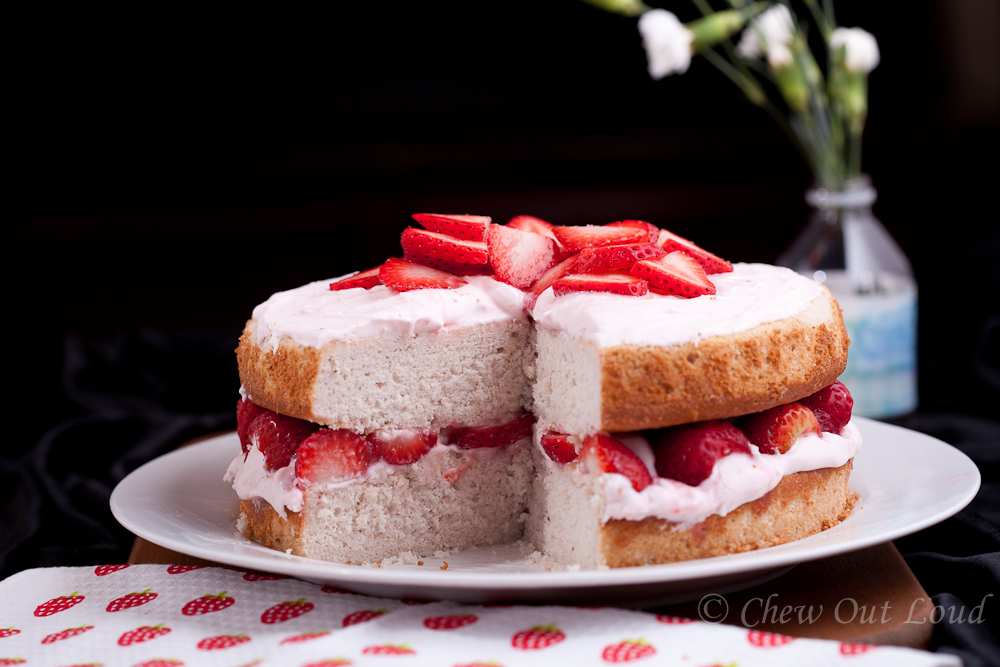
(861, 52)
(667, 42)
(712, 29)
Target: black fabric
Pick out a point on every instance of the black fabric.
(131, 398)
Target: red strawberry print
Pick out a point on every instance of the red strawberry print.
(662, 618)
(161, 662)
(832, 406)
(537, 637)
(12, 661)
(250, 576)
(335, 662)
(362, 616)
(179, 569)
(142, 634)
(131, 600)
(221, 642)
(674, 274)
(855, 649)
(286, 611)
(334, 589)
(389, 649)
(88, 664)
(602, 453)
(333, 454)
(774, 431)
(626, 650)
(207, 604)
(61, 603)
(9, 632)
(711, 263)
(450, 622)
(403, 446)
(469, 227)
(304, 637)
(403, 276)
(104, 570)
(615, 283)
(491, 663)
(491, 436)
(768, 639)
(559, 447)
(688, 453)
(66, 634)
(363, 279)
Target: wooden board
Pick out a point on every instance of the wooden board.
(862, 597)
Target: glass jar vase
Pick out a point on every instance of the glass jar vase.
(846, 248)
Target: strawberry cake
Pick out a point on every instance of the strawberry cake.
(613, 395)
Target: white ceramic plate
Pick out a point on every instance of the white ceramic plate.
(907, 481)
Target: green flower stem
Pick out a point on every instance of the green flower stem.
(703, 7)
(824, 26)
(748, 85)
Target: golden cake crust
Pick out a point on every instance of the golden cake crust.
(281, 381)
(267, 527)
(802, 504)
(724, 376)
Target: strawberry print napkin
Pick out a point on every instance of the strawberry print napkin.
(175, 616)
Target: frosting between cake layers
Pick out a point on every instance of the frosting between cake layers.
(752, 294)
(314, 315)
(735, 479)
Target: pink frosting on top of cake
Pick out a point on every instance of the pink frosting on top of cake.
(314, 315)
(735, 479)
(752, 294)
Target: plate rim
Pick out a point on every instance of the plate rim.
(744, 563)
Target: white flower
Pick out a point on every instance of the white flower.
(667, 43)
(860, 48)
(769, 33)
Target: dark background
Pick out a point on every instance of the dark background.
(172, 168)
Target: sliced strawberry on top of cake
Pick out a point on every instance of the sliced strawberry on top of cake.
(575, 239)
(364, 279)
(518, 257)
(403, 276)
(442, 251)
(609, 281)
(612, 257)
(652, 231)
(711, 263)
(469, 227)
(675, 274)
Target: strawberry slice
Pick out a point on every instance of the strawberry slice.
(468, 227)
(675, 274)
(365, 279)
(688, 453)
(652, 231)
(330, 455)
(559, 447)
(575, 239)
(278, 436)
(711, 263)
(832, 406)
(246, 412)
(774, 431)
(518, 257)
(492, 436)
(529, 223)
(616, 283)
(403, 276)
(604, 453)
(432, 248)
(547, 279)
(401, 447)
(611, 257)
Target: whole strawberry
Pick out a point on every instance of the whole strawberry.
(626, 650)
(304, 637)
(104, 570)
(450, 622)
(286, 611)
(207, 604)
(222, 641)
(278, 437)
(688, 453)
(61, 603)
(768, 639)
(537, 637)
(774, 431)
(66, 634)
(131, 600)
(142, 634)
(362, 616)
(832, 406)
(9, 632)
(388, 649)
(180, 569)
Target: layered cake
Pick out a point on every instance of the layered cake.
(613, 395)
